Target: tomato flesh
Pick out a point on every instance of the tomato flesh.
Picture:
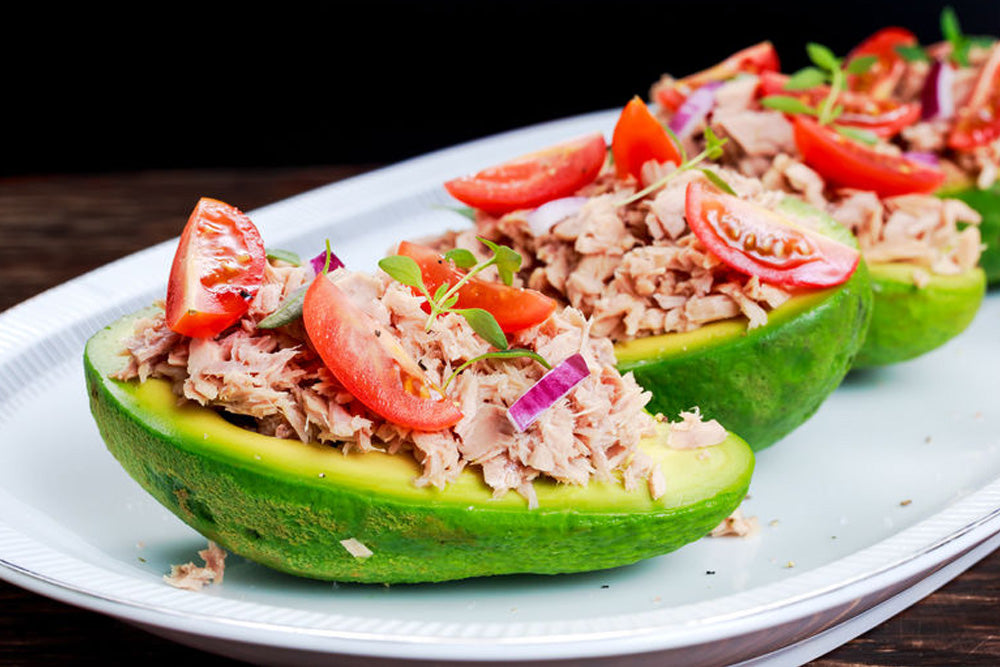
(513, 308)
(881, 78)
(755, 59)
(217, 269)
(532, 180)
(639, 138)
(759, 242)
(978, 122)
(882, 117)
(370, 363)
(849, 164)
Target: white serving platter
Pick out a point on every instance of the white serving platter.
(888, 492)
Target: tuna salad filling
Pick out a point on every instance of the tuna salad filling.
(632, 265)
(938, 235)
(274, 381)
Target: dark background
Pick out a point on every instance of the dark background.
(374, 82)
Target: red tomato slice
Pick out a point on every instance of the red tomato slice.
(978, 121)
(217, 270)
(881, 79)
(639, 138)
(883, 118)
(759, 242)
(532, 180)
(370, 363)
(849, 164)
(752, 60)
(513, 307)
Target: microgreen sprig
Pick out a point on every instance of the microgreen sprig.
(830, 70)
(507, 262)
(712, 151)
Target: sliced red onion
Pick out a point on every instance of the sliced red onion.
(319, 261)
(546, 216)
(694, 110)
(543, 394)
(923, 157)
(937, 99)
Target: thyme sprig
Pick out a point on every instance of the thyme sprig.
(712, 151)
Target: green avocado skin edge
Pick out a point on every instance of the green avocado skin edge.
(909, 321)
(279, 512)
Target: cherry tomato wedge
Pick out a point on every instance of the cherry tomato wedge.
(978, 121)
(752, 60)
(880, 80)
(639, 138)
(370, 363)
(531, 180)
(882, 117)
(849, 164)
(513, 308)
(759, 242)
(217, 270)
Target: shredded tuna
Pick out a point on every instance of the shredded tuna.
(195, 577)
(692, 432)
(737, 525)
(274, 377)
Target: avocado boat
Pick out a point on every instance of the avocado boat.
(770, 379)
(290, 505)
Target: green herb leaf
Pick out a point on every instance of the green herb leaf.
(806, 78)
(463, 211)
(440, 291)
(912, 53)
(507, 260)
(512, 353)
(713, 144)
(484, 324)
(787, 104)
(289, 311)
(463, 259)
(861, 64)
(822, 57)
(862, 136)
(677, 142)
(286, 256)
(403, 269)
(719, 183)
(450, 302)
(952, 32)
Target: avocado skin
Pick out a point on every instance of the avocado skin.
(769, 380)
(909, 321)
(294, 523)
(987, 203)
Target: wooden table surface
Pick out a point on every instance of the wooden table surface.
(54, 228)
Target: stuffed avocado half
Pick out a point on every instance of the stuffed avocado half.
(355, 426)
(290, 505)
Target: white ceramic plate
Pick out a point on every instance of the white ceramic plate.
(889, 491)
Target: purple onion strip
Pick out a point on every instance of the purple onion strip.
(930, 159)
(319, 261)
(694, 109)
(937, 99)
(543, 394)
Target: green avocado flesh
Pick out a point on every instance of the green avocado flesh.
(908, 320)
(288, 505)
(987, 203)
(765, 382)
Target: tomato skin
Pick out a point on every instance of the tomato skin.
(371, 366)
(217, 269)
(639, 138)
(978, 121)
(848, 164)
(514, 308)
(880, 80)
(531, 180)
(734, 230)
(754, 59)
(882, 117)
